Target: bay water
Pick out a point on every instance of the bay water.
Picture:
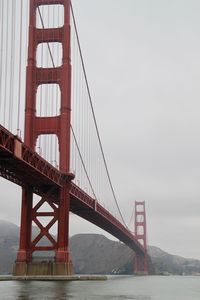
(115, 288)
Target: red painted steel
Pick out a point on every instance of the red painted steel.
(89, 209)
(17, 160)
(80, 202)
(35, 126)
(141, 235)
(20, 163)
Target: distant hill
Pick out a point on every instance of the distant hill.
(96, 254)
(9, 239)
(164, 262)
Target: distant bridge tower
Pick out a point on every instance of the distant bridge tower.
(141, 235)
(36, 126)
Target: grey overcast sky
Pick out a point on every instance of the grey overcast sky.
(143, 65)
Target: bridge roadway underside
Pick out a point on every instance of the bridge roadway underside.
(19, 164)
(103, 219)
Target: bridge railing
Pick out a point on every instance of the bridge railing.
(7, 140)
(13, 146)
(98, 209)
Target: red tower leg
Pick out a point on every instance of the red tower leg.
(35, 126)
(141, 235)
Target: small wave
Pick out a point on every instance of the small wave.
(126, 297)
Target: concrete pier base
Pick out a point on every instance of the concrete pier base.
(53, 278)
(140, 273)
(46, 268)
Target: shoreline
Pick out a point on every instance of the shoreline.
(54, 278)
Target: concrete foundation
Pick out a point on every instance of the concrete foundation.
(46, 268)
(53, 278)
(141, 273)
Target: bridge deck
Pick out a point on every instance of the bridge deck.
(21, 165)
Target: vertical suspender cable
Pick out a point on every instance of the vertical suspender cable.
(1, 51)
(20, 70)
(95, 121)
(12, 65)
(6, 63)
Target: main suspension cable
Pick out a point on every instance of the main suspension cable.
(94, 117)
(81, 157)
(93, 113)
(73, 133)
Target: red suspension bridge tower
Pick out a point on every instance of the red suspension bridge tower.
(22, 165)
(141, 236)
(36, 126)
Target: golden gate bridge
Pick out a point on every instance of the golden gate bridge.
(50, 143)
